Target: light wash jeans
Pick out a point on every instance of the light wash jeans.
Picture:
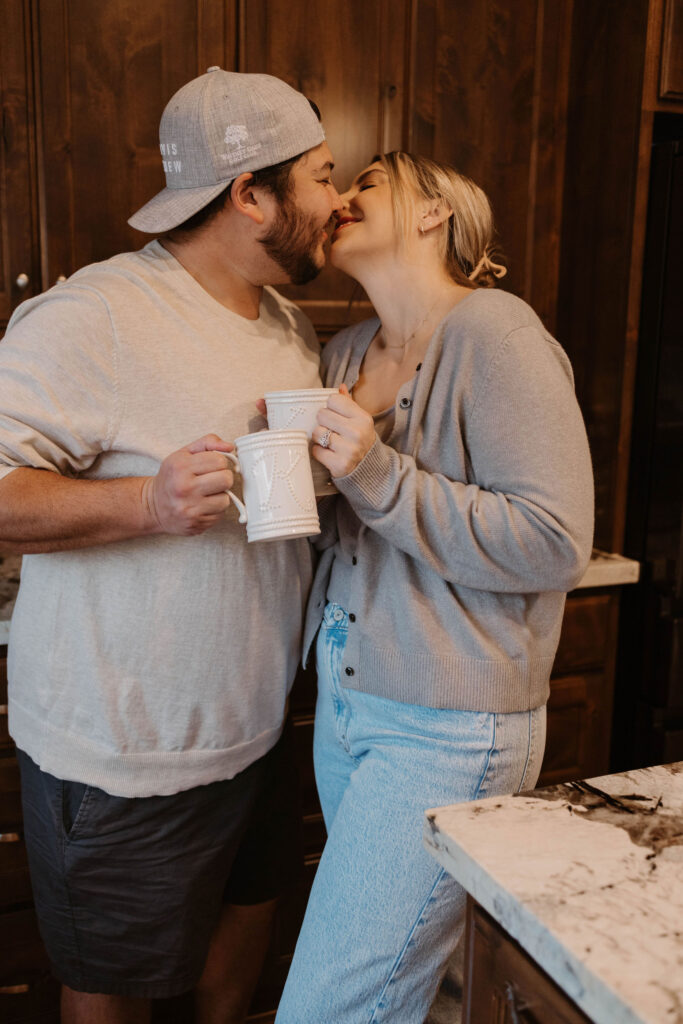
(383, 916)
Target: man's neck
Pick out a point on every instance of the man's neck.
(217, 274)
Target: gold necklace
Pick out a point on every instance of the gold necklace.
(404, 345)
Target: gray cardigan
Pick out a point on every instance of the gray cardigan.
(475, 519)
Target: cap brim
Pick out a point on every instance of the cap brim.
(170, 207)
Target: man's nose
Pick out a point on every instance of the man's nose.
(337, 201)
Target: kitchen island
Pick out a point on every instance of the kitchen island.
(576, 899)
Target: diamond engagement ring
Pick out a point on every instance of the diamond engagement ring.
(324, 441)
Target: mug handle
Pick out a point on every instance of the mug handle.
(233, 497)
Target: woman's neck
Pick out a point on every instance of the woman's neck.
(410, 303)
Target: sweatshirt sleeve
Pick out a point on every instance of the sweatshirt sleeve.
(57, 383)
(522, 521)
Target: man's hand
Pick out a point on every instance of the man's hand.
(349, 430)
(188, 494)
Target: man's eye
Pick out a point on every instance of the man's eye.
(325, 181)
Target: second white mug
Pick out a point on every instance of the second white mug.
(298, 410)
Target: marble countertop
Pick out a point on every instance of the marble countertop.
(588, 878)
(608, 570)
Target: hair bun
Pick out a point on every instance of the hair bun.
(487, 271)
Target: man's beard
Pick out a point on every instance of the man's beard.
(293, 242)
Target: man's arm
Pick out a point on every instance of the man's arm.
(42, 511)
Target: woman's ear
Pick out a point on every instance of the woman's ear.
(432, 216)
(246, 199)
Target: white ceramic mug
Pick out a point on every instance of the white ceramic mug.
(298, 410)
(277, 485)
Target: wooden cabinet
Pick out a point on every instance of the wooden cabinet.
(19, 256)
(104, 73)
(582, 689)
(28, 993)
(671, 69)
(83, 88)
(349, 57)
(503, 985)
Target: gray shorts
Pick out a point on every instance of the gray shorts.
(128, 891)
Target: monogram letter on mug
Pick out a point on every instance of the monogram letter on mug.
(297, 410)
(277, 485)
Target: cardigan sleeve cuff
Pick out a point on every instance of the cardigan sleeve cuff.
(373, 480)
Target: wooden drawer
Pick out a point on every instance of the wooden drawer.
(5, 741)
(35, 1003)
(303, 745)
(10, 795)
(585, 638)
(23, 959)
(503, 985)
(576, 746)
(15, 883)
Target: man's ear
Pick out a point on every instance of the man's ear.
(246, 199)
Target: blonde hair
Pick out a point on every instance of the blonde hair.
(467, 240)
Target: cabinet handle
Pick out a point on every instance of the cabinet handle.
(22, 281)
(62, 277)
(10, 837)
(517, 1006)
(14, 990)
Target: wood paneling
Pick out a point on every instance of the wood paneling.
(18, 220)
(585, 633)
(348, 57)
(577, 744)
(671, 76)
(489, 96)
(476, 63)
(10, 796)
(106, 72)
(603, 135)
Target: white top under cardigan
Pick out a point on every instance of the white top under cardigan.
(457, 540)
(152, 665)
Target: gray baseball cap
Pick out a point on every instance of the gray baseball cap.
(217, 127)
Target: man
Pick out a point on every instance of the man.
(152, 649)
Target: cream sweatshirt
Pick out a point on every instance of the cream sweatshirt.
(151, 665)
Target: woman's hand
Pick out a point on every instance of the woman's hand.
(349, 431)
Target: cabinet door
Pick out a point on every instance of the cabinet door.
(348, 56)
(106, 73)
(503, 985)
(489, 96)
(671, 74)
(18, 216)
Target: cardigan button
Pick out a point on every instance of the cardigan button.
(348, 670)
(352, 617)
(354, 560)
(405, 403)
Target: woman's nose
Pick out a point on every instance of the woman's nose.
(345, 198)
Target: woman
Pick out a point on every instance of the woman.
(464, 514)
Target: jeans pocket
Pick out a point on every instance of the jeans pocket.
(76, 797)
